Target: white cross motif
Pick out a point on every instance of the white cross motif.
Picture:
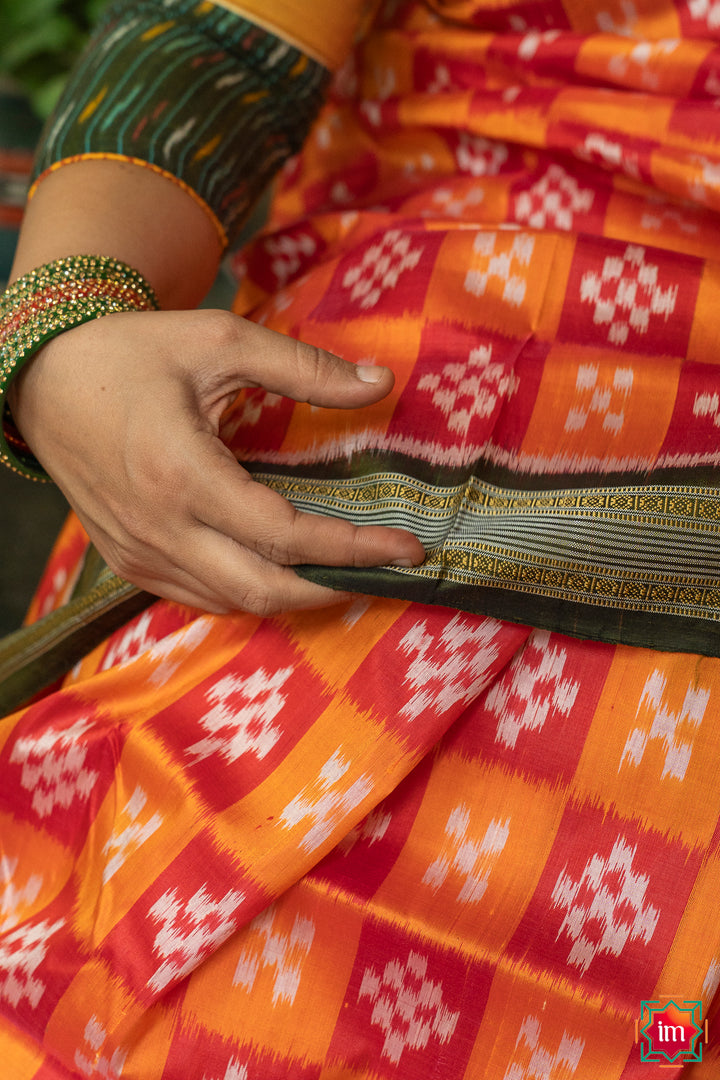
(283, 952)
(553, 201)
(534, 686)
(53, 767)
(21, 953)
(189, 931)
(13, 898)
(507, 265)
(465, 391)
(407, 1006)
(606, 399)
(665, 724)
(323, 805)
(471, 858)
(605, 908)
(381, 268)
(541, 1063)
(707, 11)
(127, 840)
(479, 156)
(448, 669)
(89, 1058)
(241, 719)
(626, 294)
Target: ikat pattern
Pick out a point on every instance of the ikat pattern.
(386, 839)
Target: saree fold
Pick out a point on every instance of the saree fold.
(394, 839)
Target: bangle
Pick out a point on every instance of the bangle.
(44, 303)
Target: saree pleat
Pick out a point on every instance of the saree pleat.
(400, 838)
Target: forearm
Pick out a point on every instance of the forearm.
(123, 210)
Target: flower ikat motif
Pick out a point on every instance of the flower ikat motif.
(242, 714)
(22, 952)
(93, 1059)
(54, 767)
(324, 803)
(407, 1006)
(666, 725)
(464, 391)
(502, 257)
(471, 859)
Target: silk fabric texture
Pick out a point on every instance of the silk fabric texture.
(390, 839)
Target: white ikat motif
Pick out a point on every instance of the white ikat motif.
(381, 267)
(284, 953)
(242, 714)
(22, 951)
(90, 1058)
(372, 829)
(553, 201)
(606, 908)
(707, 11)
(287, 254)
(15, 899)
(54, 769)
(463, 392)
(534, 1060)
(235, 1071)
(325, 802)
(472, 859)
(132, 828)
(601, 396)
(131, 643)
(626, 294)
(407, 1006)
(666, 725)
(189, 930)
(505, 261)
(447, 670)
(707, 404)
(533, 686)
(479, 156)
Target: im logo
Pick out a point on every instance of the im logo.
(670, 1031)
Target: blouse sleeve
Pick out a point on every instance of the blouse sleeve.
(215, 96)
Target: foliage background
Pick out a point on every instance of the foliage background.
(39, 41)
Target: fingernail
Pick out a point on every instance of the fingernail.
(402, 562)
(369, 372)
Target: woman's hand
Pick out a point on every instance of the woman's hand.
(124, 413)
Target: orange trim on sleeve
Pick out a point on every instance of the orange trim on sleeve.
(324, 29)
(104, 156)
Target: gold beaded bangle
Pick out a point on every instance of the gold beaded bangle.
(42, 304)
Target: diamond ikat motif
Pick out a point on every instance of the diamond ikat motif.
(407, 1006)
(22, 952)
(188, 930)
(606, 907)
(536, 686)
(627, 294)
(242, 714)
(54, 767)
(464, 391)
(381, 267)
(553, 201)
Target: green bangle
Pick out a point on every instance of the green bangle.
(42, 304)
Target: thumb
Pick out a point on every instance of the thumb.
(257, 356)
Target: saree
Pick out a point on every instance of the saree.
(421, 834)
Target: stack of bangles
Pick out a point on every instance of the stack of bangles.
(46, 302)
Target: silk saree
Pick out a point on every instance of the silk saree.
(464, 826)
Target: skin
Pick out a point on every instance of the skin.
(124, 412)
